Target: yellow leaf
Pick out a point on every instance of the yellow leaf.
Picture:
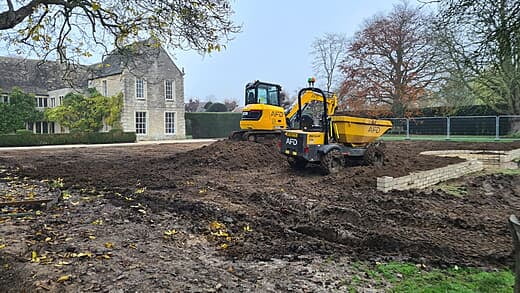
(74, 203)
(38, 213)
(105, 256)
(97, 222)
(247, 228)
(170, 232)
(2, 246)
(216, 225)
(109, 245)
(91, 237)
(48, 239)
(220, 233)
(95, 6)
(140, 190)
(63, 278)
(82, 254)
(224, 245)
(66, 195)
(34, 257)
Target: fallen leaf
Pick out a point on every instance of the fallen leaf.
(247, 228)
(66, 195)
(170, 232)
(109, 245)
(97, 222)
(220, 233)
(34, 257)
(91, 237)
(2, 246)
(216, 225)
(224, 245)
(48, 239)
(63, 278)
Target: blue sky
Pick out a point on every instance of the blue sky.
(273, 46)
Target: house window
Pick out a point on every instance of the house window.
(140, 122)
(105, 89)
(42, 127)
(4, 99)
(139, 89)
(42, 102)
(52, 102)
(60, 100)
(169, 89)
(169, 122)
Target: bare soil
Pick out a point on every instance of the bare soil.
(234, 216)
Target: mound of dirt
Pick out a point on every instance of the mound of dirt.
(231, 155)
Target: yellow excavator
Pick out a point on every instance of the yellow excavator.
(263, 116)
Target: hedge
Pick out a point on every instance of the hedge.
(11, 140)
(211, 124)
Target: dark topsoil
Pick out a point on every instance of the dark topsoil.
(267, 211)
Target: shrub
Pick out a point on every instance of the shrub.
(30, 139)
(212, 125)
(217, 107)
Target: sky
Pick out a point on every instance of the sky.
(274, 45)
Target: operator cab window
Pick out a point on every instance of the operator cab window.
(263, 94)
(250, 96)
(272, 96)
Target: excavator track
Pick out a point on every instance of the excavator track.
(255, 135)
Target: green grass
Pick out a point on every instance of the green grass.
(509, 171)
(455, 190)
(405, 277)
(468, 138)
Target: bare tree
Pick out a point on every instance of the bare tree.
(327, 52)
(391, 62)
(70, 29)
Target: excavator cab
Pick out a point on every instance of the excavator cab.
(259, 92)
(263, 116)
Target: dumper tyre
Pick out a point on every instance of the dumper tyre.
(332, 162)
(297, 163)
(375, 154)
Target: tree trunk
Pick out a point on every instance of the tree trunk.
(515, 230)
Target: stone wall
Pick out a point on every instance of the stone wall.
(428, 178)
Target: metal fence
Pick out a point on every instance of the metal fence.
(486, 127)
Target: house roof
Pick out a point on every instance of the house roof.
(36, 76)
(39, 77)
(131, 56)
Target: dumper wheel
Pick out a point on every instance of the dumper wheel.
(297, 163)
(375, 154)
(332, 162)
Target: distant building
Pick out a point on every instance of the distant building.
(151, 84)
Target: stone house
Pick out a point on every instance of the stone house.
(151, 84)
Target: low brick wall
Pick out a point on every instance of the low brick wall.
(477, 161)
(490, 159)
(427, 178)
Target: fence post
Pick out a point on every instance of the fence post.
(407, 128)
(448, 127)
(497, 127)
(514, 224)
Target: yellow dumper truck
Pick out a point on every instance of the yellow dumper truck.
(332, 140)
